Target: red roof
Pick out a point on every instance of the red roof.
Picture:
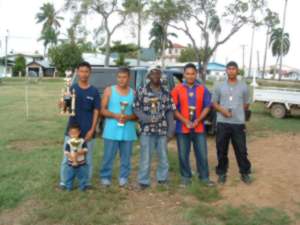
(175, 45)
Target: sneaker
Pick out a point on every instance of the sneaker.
(163, 183)
(105, 183)
(246, 178)
(222, 179)
(141, 187)
(123, 182)
(209, 183)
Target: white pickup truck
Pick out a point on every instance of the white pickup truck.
(280, 101)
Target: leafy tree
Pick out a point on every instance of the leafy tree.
(107, 10)
(209, 23)
(51, 23)
(65, 56)
(20, 66)
(137, 10)
(123, 51)
(160, 40)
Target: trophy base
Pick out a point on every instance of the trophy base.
(67, 114)
(121, 124)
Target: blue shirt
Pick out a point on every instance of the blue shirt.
(112, 130)
(87, 100)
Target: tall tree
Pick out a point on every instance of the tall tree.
(280, 44)
(137, 8)
(270, 21)
(163, 12)
(203, 14)
(282, 37)
(123, 51)
(112, 15)
(51, 23)
(160, 40)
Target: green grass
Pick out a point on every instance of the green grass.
(204, 214)
(30, 157)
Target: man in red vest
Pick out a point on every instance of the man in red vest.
(193, 102)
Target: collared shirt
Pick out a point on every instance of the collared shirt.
(143, 108)
(233, 97)
(185, 96)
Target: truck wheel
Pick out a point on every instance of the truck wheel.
(278, 111)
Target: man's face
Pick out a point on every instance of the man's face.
(155, 77)
(190, 75)
(74, 133)
(232, 72)
(83, 73)
(123, 79)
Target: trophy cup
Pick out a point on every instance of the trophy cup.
(123, 105)
(192, 110)
(153, 107)
(74, 142)
(68, 97)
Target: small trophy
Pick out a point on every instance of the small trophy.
(230, 104)
(74, 142)
(68, 97)
(123, 109)
(154, 103)
(192, 110)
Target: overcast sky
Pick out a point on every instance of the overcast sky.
(19, 17)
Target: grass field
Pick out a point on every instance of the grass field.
(30, 156)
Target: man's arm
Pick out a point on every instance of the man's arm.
(246, 98)
(96, 112)
(216, 99)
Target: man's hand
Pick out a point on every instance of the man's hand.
(61, 104)
(196, 123)
(226, 113)
(188, 124)
(89, 135)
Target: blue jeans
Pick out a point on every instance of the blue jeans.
(200, 149)
(150, 143)
(81, 172)
(110, 150)
(89, 162)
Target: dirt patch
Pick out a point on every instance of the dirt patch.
(276, 167)
(29, 145)
(18, 215)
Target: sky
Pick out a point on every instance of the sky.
(19, 18)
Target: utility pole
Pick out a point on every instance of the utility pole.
(6, 49)
(282, 37)
(243, 56)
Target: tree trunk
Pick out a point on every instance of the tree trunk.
(139, 39)
(265, 56)
(164, 47)
(107, 51)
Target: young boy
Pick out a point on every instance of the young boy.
(76, 150)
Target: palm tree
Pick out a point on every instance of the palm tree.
(282, 38)
(280, 43)
(159, 39)
(51, 23)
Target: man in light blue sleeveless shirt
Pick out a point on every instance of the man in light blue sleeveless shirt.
(119, 128)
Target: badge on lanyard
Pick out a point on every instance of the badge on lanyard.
(191, 94)
(230, 98)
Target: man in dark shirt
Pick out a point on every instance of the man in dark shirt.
(154, 108)
(87, 107)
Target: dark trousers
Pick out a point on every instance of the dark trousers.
(184, 142)
(236, 134)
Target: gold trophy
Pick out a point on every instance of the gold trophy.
(192, 110)
(68, 97)
(74, 142)
(123, 105)
(154, 103)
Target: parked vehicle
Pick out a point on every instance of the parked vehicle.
(102, 77)
(280, 101)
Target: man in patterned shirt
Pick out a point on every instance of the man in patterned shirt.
(154, 108)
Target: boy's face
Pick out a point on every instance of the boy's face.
(123, 79)
(190, 75)
(232, 72)
(74, 133)
(83, 73)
